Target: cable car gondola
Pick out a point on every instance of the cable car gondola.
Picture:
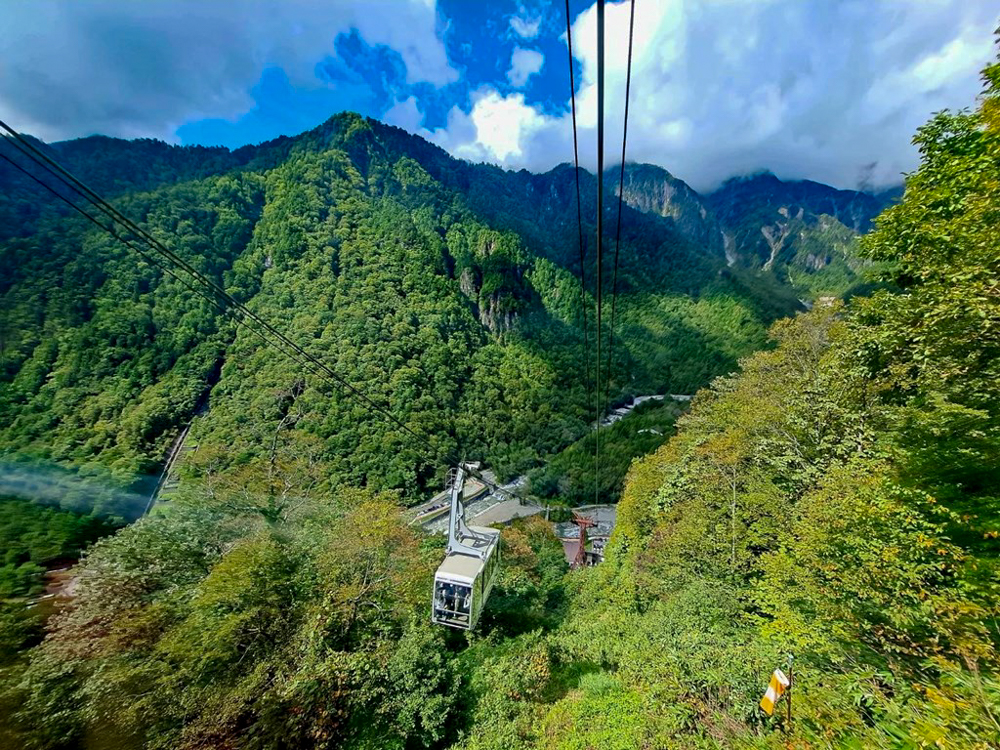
(464, 580)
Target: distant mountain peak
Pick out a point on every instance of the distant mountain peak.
(653, 189)
(762, 175)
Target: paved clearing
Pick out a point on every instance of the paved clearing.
(476, 512)
(504, 511)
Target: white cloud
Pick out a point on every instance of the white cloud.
(500, 129)
(526, 23)
(524, 27)
(524, 63)
(815, 89)
(404, 114)
(144, 68)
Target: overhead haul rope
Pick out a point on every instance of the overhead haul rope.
(579, 210)
(220, 298)
(110, 230)
(600, 229)
(621, 191)
(152, 260)
(116, 215)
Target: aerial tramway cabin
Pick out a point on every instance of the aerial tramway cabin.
(464, 580)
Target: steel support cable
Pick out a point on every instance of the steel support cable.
(114, 213)
(166, 269)
(579, 208)
(621, 191)
(308, 362)
(304, 359)
(600, 229)
(150, 259)
(305, 363)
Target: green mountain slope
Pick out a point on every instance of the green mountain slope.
(836, 500)
(803, 231)
(449, 292)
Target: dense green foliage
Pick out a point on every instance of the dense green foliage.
(32, 536)
(448, 292)
(101, 353)
(568, 477)
(283, 620)
(836, 500)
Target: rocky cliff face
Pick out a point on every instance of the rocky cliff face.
(794, 229)
(652, 189)
(803, 231)
(491, 274)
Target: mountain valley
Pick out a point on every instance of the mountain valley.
(822, 491)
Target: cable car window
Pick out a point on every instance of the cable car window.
(452, 602)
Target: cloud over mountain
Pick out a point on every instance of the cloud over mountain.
(137, 69)
(831, 90)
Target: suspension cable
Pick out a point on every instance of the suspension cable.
(146, 256)
(308, 362)
(220, 298)
(621, 192)
(600, 229)
(579, 211)
(114, 214)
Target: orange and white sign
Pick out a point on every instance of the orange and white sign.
(779, 684)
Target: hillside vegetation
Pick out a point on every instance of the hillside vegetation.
(835, 499)
(32, 536)
(450, 293)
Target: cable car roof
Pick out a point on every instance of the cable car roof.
(460, 568)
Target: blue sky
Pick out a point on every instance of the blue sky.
(480, 40)
(830, 90)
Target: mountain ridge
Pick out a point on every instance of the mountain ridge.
(755, 221)
(499, 250)
(451, 292)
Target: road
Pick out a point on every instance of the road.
(623, 411)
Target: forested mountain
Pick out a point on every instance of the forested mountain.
(804, 231)
(833, 498)
(448, 291)
(652, 189)
(836, 500)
